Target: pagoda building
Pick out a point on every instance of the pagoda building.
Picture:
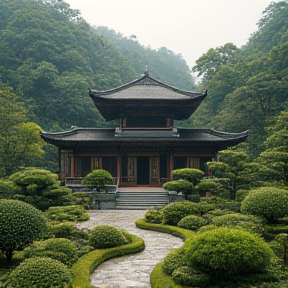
(146, 146)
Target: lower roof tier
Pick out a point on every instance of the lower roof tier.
(96, 137)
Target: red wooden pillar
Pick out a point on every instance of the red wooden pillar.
(72, 166)
(118, 168)
(171, 164)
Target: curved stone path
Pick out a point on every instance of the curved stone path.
(130, 270)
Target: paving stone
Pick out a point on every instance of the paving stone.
(130, 270)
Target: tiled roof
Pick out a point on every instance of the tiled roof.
(91, 136)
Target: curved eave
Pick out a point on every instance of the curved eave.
(181, 109)
(87, 137)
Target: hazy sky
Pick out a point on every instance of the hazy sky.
(187, 27)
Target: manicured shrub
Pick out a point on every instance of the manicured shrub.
(7, 189)
(241, 194)
(173, 260)
(192, 222)
(192, 175)
(106, 236)
(217, 212)
(267, 202)
(188, 276)
(40, 273)
(66, 230)
(194, 198)
(206, 186)
(98, 178)
(174, 212)
(154, 216)
(74, 213)
(247, 222)
(60, 249)
(179, 186)
(20, 225)
(224, 252)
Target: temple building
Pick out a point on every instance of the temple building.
(146, 146)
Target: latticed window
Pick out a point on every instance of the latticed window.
(193, 162)
(96, 163)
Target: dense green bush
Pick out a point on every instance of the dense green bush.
(173, 260)
(74, 213)
(241, 194)
(154, 216)
(237, 220)
(179, 186)
(217, 212)
(20, 225)
(194, 198)
(66, 230)
(98, 178)
(7, 189)
(267, 202)
(224, 252)
(206, 186)
(174, 212)
(192, 175)
(192, 222)
(60, 249)
(106, 236)
(40, 273)
(188, 276)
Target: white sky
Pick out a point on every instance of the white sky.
(187, 27)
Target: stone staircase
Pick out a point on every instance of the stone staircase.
(135, 198)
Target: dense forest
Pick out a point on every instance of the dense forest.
(50, 56)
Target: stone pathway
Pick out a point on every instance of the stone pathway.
(130, 270)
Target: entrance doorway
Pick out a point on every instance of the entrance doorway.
(143, 170)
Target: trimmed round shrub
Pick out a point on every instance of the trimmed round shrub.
(74, 213)
(217, 212)
(179, 186)
(224, 252)
(188, 276)
(206, 186)
(40, 273)
(153, 216)
(267, 202)
(241, 194)
(192, 222)
(174, 212)
(60, 249)
(20, 225)
(66, 230)
(194, 198)
(98, 178)
(190, 174)
(236, 220)
(106, 236)
(173, 260)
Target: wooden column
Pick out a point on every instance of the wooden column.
(171, 164)
(118, 167)
(72, 166)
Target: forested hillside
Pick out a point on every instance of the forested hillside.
(51, 56)
(248, 87)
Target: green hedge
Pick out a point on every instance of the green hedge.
(89, 262)
(173, 230)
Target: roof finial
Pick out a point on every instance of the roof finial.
(146, 71)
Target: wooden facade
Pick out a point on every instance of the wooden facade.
(146, 146)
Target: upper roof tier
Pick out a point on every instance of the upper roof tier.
(146, 96)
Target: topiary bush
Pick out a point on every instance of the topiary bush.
(174, 212)
(216, 212)
(237, 220)
(60, 249)
(74, 213)
(206, 186)
(173, 260)
(7, 189)
(40, 273)
(268, 202)
(154, 216)
(106, 236)
(188, 276)
(20, 225)
(66, 230)
(98, 178)
(190, 174)
(241, 194)
(192, 222)
(179, 186)
(194, 198)
(224, 252)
